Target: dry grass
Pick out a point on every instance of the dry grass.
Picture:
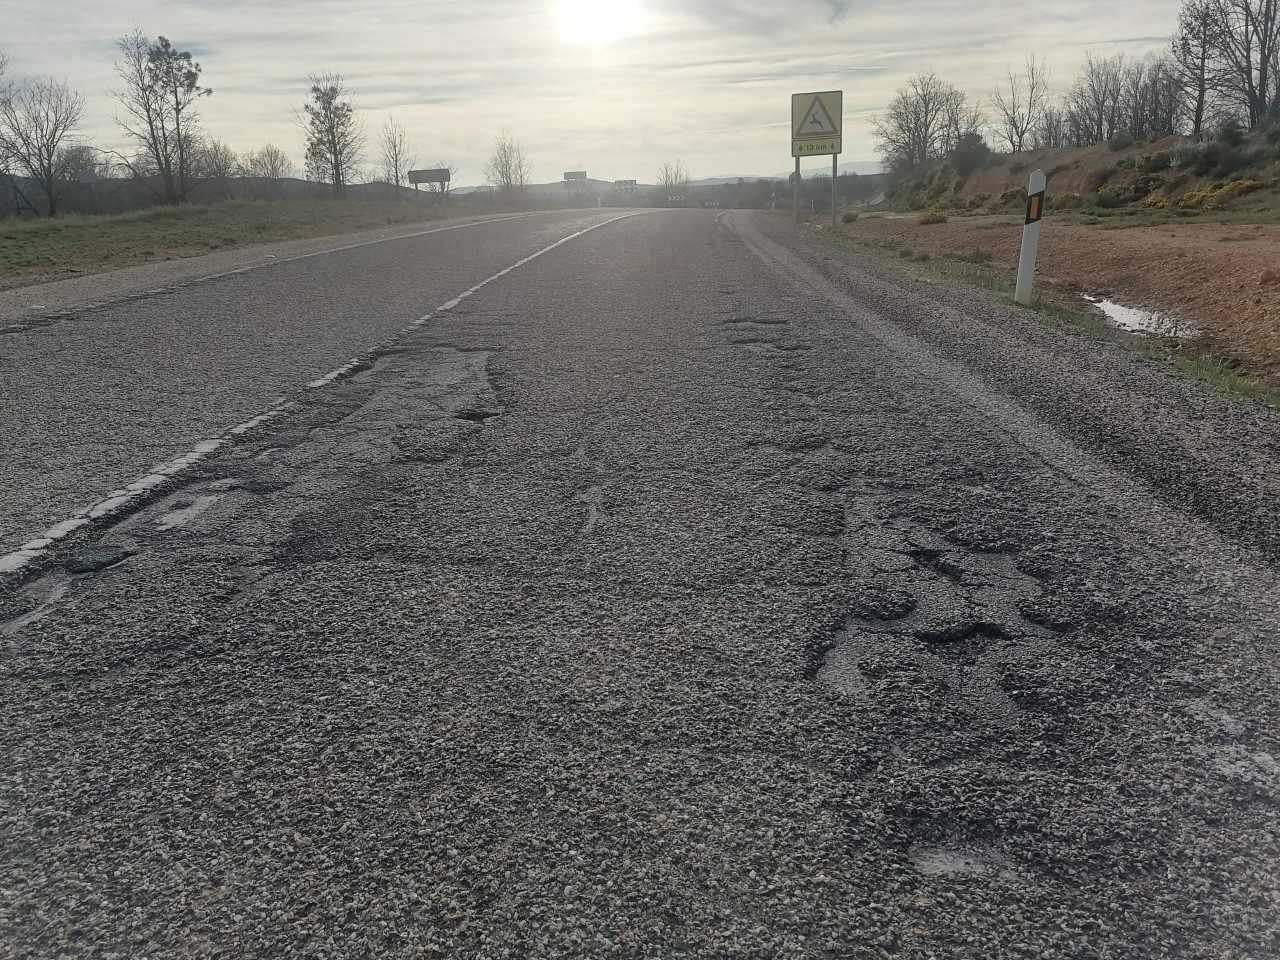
(1201, 277)
(33, 251)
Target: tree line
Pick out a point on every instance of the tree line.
(1220, 69)
(158, 97)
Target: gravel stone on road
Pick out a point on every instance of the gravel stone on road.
(685, 593)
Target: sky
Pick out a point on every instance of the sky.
(613, 88)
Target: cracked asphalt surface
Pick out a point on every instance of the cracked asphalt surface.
(694, 590)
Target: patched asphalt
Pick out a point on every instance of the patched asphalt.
(104, 386)
(694, 590)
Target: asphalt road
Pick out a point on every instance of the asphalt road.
(690, 590)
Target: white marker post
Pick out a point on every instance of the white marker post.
(1030, 239)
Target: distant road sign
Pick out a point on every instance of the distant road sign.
(817, 121)
(575, 175)
(440, 175)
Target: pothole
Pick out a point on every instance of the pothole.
(477, 415)
(961, 631)
(95, 557)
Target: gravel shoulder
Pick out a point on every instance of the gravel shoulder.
(1206, 452)
(690, 592)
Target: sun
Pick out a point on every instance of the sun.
(597, 22)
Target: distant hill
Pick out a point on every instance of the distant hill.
(860, 167)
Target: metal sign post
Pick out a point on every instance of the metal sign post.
(440, 175)
(835, 176)
(1024, 290)
(817, 120)
(795, 194)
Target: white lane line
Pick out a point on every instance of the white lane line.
(273, 260)
(342, 371)
(120, 501)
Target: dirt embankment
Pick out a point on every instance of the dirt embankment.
(1223, 278)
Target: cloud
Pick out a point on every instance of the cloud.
(705, 80)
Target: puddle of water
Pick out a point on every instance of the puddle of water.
(1141, 320)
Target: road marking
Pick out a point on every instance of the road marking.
(342, 371)
(127, 498)
(272, 260)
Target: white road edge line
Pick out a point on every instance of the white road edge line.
(119, 501)
(273, 261)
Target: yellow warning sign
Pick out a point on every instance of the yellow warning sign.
(816, 122)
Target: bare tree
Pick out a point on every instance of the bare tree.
(37, 122)
(674, 180)
(1094, 101)
(1053, 131)
(80, 163)
(507, 169)
(1246, 37)
(160, 92)
(397, 156)
(335, 138)
(914, 128)
(1193, 49)
(1019, 104)
(269, 163)
(961, 119)
(216, 162)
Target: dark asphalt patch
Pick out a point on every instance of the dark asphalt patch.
(91, 558)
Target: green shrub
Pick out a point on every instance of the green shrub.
(1106, 200)
(1273, 134)
(1121, 141)
(931, 216)
(1217, 158)
(1126, 163)
(970, 155)
(906, 253)
(1231, 133)
(1231, 159)
(923, 257)
(1156, 162)
(850, 216)
(1098, 177)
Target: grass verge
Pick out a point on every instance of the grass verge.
(33, 251)
(1059, 306)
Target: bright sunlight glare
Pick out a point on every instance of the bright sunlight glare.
(596, 22)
